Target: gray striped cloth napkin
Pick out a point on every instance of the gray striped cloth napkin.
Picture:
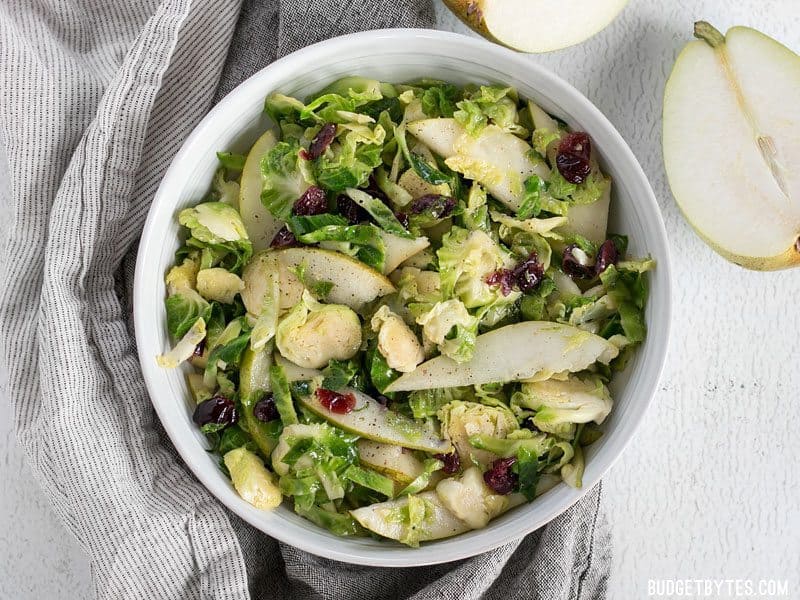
(97, 96)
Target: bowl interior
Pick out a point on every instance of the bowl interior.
(396, 56)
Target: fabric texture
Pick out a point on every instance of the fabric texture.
(97, 98)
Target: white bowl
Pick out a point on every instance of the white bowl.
(396, 55)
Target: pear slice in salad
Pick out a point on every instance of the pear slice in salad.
(354, 283)
(513, 353)
(295, 372)
(253, 383)
(261, 226)
(589, 220)
(394, 461)
(382, 518)
(495, 158)
(371, 420)
(399, 249)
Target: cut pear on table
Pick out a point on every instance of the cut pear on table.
(539, 347)
(536, 25)
(495, 158)
(371, 420)
(381, 518)
(261, 226)
(732, 144)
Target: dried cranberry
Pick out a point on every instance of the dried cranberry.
(572, 158)
(502, 277)
(500, 477)
(218, 410)
(312, 202)
(321, 141)
(452, 462)
(573, 266)
(283, 238)
(529, 273)
(336, 402)
(529, 424)
(607, 255)
(200, 348)
(436, 205)
(403, 218)
(265, 409)
(350, 210)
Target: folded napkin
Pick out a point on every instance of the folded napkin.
(97, 98)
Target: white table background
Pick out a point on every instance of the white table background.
(710, 487)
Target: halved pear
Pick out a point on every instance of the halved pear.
(536, 25)
(495, 158)
(354, 283)
(371, 420)
(261, 226)
(513, 353)
(732, 144)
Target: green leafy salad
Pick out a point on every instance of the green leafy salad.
(400, 311)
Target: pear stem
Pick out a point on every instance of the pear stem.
(705, 31)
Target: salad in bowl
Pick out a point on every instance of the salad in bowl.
(400, 311)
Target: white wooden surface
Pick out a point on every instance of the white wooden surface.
(710, 488)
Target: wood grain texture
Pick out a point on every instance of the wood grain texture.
(710, 486)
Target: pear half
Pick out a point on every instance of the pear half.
(536, 25)
(732, 144)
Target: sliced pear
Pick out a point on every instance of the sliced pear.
(373, 421)
(440, 135)
(589, 220)
(258, 277)
(253, 382)
(536, 25)
(732, 144)
(254, 371)
(354, 283)
(497, 159)
(295, 372)
(394, 461)
(380, 518)
(540, 118)
(417, 186)
(513, 353)
(261, 226)
(399, 249)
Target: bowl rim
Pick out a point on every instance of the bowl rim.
(433, 553)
